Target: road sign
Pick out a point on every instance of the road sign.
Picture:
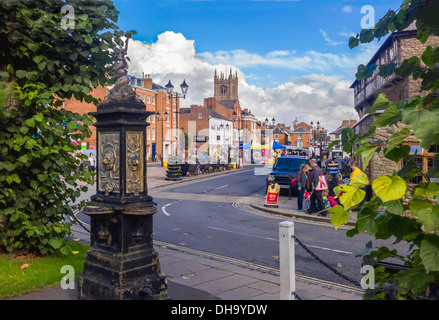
(314, 146)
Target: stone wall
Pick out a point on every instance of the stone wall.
(379, 165)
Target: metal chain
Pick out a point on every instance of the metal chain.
(325, 264)
(296, 296)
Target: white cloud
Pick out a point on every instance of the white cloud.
(329, 41)
(347, 9)
(311, 97)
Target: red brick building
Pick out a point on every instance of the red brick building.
(85, 108)
(162, 132)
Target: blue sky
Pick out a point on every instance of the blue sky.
(272, 43)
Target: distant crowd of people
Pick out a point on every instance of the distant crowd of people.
(315, 185)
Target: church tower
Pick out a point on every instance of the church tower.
(226, 86)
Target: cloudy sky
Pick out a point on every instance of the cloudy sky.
(292, 56)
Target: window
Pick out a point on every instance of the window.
(288, 164)
(424, 160)
(143, 97)
(167, 116)
(200, 116)
(148, 99)
(153, 134)
(148, 134)
(174, 116)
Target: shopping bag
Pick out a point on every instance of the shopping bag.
(322, 184)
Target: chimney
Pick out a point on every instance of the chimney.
(147, 82)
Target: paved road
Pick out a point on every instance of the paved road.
(203, 215)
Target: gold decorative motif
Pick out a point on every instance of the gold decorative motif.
(134, 162)
(109, 155)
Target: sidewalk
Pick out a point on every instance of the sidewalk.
(196, 275)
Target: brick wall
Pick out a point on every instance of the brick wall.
(85, 108)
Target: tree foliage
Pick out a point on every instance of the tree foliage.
(44, 61)
(398, 209)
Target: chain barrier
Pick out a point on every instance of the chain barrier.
(325, 264)
(296, 296)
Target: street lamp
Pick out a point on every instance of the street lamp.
(163, 140)
(184, 88)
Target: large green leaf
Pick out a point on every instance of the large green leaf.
(380, 102)
(351, 196)
(389, 116)
(339, 216)
(389, 188)
(429, 254)
(360, 180)
(366, 221)
(428, 133)
(367, 151)
(429, 219)
(394, 207)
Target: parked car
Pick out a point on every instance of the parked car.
(284, 168)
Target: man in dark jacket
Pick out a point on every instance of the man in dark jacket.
(316, 196)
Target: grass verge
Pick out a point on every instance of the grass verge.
(25, 275)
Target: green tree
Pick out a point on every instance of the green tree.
(406, 212)
(51, 50)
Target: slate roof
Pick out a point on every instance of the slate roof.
(301, 130)
(229, 104)
(215, 114)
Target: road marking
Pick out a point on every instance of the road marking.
(243, 234)
(167, 205)
(271, 239)
(224, 186)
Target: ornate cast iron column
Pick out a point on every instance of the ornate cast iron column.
(121, 262)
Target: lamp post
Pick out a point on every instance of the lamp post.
(158, 115)
(318, 136)
(170, 90)
(240, 125)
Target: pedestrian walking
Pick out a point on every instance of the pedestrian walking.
(92, 166)
(332, 183)
(301, 178)
(319, 184)
(333, 168)
(355, 170)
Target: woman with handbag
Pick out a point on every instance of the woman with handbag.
(301, 177)
(319, 184)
